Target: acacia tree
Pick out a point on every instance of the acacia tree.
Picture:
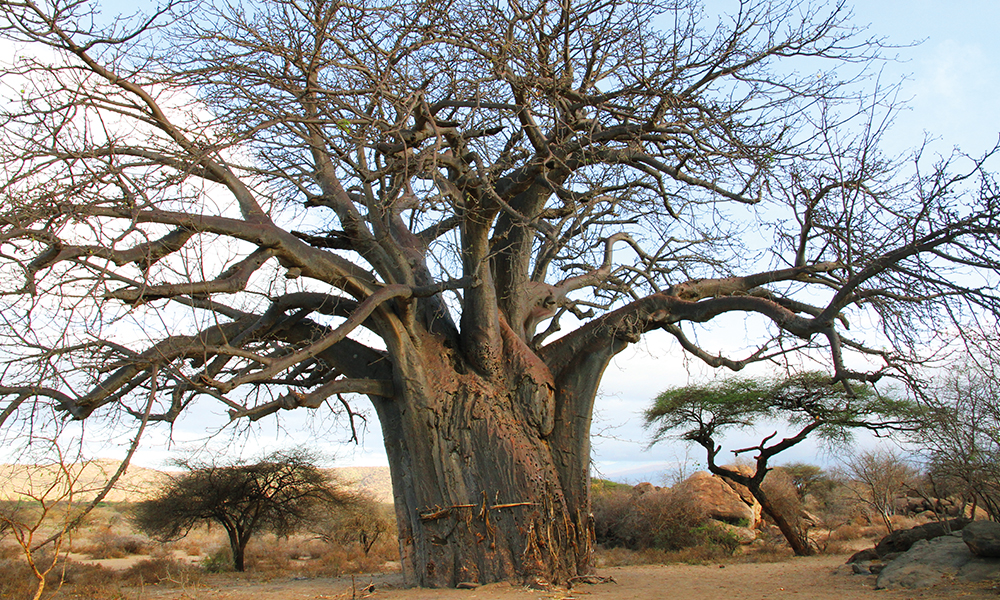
(276, 205)
(809, 402)
(279, 494)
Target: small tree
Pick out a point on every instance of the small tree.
(810, 402)
(809, 479)
(45, 506)
(961, 439)
(277, 494)
(362, 520)
(879, 476)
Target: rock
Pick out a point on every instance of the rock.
(982, 538)
(929, 561)
(863, 555)
(902, 540)
(809, 518)
(744, 491)
(876, 567)
(645, 488)
(717, 499)
(860, 569)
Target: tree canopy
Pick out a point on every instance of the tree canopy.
(279, 493)
(461, 210)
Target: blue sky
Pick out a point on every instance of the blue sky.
(952, 83)
(952, 87)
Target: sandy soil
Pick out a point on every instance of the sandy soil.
(820, 578)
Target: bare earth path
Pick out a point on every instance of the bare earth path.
(820, 578)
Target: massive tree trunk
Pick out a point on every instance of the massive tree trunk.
(490, 474)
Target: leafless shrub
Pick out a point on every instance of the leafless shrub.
(663, 520)
(877, 477)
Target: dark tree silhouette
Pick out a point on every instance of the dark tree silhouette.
(278, 494)
(288, 204)
(808, 402)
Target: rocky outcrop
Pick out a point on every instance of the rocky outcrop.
(902, 540)
(645, 488)
(719, 500)
(866, 555)
(929, 562)
(912, 505)
(982, 538)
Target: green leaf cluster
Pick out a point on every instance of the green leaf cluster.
(698, 412)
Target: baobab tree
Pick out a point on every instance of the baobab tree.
(461, 210)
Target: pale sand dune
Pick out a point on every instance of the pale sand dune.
(21, 481)
(138, 483)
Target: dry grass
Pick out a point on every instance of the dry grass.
(664, 519)
(301, 556)
(108, 534)
(695, 555)
(108, 543)
(857, 532)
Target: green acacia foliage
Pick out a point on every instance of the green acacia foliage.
(279, 494)
(808, 400)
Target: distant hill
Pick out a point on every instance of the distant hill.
(374, 480)
(138, 483)
(23, 481)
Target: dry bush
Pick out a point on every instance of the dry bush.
(857, 532)
(900, 522)
(702, 553)
(201, 540)
(616, 521)
(82, 575)
(624, 557)
(8, 550)
(106, 516)
(16, 580)
(362, 521)
(663, 520)
(219, 560)
(111, 544)
(838, 547)
(190, 547)
(311, 557)
(159, 570)
(698, 554)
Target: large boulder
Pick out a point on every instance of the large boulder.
(929, 562)
(902, 540)
(866, 555)
(982, 538)
(645, 488)
(718, 500)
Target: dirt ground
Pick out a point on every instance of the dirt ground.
(820, 578)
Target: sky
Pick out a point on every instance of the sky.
(952, 83)
(952, 87)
